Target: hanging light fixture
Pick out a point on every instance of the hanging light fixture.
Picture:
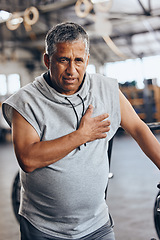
(29, 17)
(87, 7)
(4, 16)
(14, 21)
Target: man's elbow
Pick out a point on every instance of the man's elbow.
(25, 164)
(26, 168)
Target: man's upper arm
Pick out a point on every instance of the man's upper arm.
(23, 134)
(129, 118)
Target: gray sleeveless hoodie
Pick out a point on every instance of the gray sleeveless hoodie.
(66, 199)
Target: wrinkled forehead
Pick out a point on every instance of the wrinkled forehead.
(76, 48)
(68, 44)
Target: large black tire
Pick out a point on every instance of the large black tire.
(16, 196)
(157, 214)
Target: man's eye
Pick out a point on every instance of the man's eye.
(63, 60)
(79, 60)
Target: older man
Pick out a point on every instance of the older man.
(61, 125)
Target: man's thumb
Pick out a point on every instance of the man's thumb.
(89, 110)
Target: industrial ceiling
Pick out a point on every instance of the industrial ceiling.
(118, 29)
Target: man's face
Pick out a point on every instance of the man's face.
(67, 66)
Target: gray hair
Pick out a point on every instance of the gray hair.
(65, 32)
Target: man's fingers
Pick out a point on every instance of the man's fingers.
(105, 123)
(101, 117)
(104, 126)
(94, 127)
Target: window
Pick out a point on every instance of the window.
(3, 84)
(135, 70)
(9, 84)
(13, 83)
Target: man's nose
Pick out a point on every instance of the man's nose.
(71, 68)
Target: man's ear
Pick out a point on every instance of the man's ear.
(46, 60)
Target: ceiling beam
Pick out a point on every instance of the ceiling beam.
(146, 12)
(56, 6)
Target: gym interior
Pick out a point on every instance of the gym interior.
(124, 44)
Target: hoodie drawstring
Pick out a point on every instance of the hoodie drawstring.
(76, 111)
(83, 109)
(82, 103)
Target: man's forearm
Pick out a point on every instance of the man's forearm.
(148, 143)
(44, 153)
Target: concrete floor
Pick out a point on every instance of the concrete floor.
(131, 192)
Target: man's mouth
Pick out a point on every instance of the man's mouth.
(69, 80)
